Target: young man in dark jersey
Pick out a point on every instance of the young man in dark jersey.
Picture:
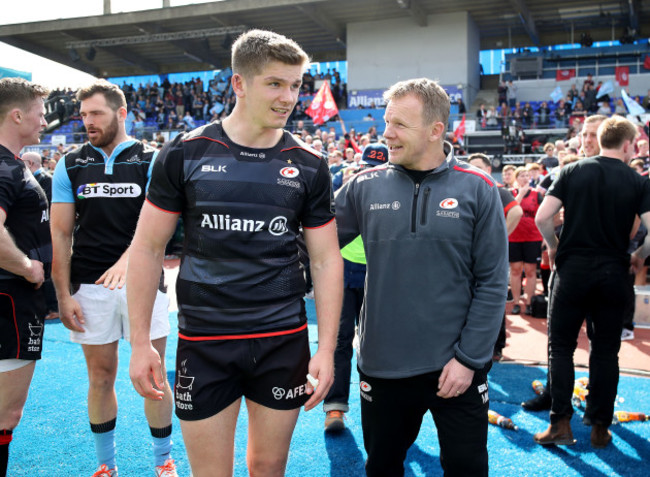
(97, 195)
(244, 187)
(25, 252)
(601, 196)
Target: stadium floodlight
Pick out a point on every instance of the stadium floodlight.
(74, 55)
(158, 37)
(586, 40)
(227, 42)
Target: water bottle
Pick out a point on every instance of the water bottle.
(624, 416)
(501, 421)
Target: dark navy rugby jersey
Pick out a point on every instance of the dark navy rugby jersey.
(108, 193)
(26, 207)
(242, 210)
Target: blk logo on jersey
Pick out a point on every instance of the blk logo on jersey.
(211, 168)
(108, 190)
(289, 172)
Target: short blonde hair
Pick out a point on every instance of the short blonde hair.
(255, 48)
(18, 93)
(519, 170)
(435, 101)
(614, 131)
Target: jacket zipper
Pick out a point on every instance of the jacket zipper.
(414, 209)
(425, 202)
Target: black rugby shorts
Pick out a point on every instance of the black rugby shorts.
(21, 324)
(213, 373)
(527, 252)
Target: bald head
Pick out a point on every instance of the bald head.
(32, 160)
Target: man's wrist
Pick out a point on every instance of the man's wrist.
(27, 266)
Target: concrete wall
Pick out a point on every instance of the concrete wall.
(384, 52)
(473, 66)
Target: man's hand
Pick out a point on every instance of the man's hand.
(321, 367)
(522, 193)
(34, 273)
(70, 314)
(454, 380)
(116, 275)
(146, 372)
(636, 263)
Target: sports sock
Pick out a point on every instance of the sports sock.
(546, 274)
(162, 444)
(5, 439)
(104, 435)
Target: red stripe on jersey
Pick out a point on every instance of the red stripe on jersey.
(5, 437)
(371, 169)
(242, 337)
(507, 208)
(320, 226)
(304, 149)
(460, 169)
(13, 312)
(160, 208)
(207, 138)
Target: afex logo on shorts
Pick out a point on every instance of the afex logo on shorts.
(281, 393)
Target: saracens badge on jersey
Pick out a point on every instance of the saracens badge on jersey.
(289, 172)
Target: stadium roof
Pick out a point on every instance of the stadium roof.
(197, 37)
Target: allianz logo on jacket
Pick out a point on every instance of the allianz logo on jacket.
(108, 190)
(396, 205)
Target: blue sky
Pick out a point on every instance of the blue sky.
(49, 73)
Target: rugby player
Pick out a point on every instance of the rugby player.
(25, 252)
(97, 195)
(244, 187)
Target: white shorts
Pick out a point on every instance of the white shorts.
(107, 317)
(13, 364)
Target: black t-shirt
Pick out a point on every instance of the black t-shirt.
(26, 207)
(601, 197)
(242, 209)
(108, 193)
(507, 199)
(547, 181)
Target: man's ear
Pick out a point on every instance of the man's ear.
(437, 130)
(16, 115)
(238, 84)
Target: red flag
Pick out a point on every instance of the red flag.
(459, 132)
(623, 75)
(322, 107)
(646, 62)
(563, 75)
